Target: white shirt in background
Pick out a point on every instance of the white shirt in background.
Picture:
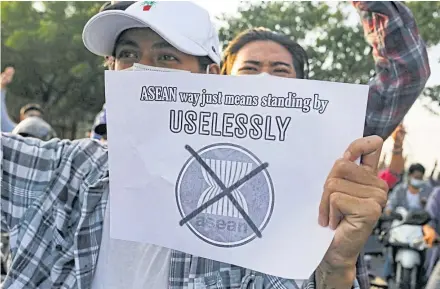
(413, 201)
(130, 265)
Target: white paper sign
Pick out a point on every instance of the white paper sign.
(227, 168)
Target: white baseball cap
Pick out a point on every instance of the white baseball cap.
(183, 24)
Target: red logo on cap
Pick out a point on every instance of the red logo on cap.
(147, 5)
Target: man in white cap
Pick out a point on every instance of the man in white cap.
(156, 34)
(55, 194)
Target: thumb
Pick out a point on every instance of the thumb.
(368, 149)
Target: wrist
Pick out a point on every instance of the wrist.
(328, 276)
(397, 151)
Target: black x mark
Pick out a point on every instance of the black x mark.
(225, 192)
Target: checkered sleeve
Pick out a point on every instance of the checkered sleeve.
(311, 284)
(401, 60)
(53, 200)
(27, 168)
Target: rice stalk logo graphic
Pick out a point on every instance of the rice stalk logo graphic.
(146, 5)
(225, 195)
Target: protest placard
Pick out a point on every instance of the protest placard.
(227, 168)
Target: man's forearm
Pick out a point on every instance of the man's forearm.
(397, 163)
(7, 125)
(327, 277)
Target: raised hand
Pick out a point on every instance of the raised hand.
(351, 205)
(6, 77)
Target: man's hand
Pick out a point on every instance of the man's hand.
(6, 77)
(429, 235)
(351, 204)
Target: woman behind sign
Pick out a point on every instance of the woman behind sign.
(390, 30)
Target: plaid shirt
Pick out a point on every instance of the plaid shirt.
(54, 194)
(402, 67)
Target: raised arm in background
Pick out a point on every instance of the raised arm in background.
(401, 60)
(7, 125)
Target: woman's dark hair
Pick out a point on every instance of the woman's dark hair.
(299, 55)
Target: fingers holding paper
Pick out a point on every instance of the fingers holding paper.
(353, 199)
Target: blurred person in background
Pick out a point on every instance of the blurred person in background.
(433, 254)
(99, 130)
(433, 181)
(7, 124)
(35, 127)
(31, 109)
(394, 172)
(400, 58)
(409, 196)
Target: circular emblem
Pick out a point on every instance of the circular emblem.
(224, 194)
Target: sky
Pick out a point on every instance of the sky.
(422, 143)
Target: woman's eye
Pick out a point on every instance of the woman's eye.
(248, 68)
(167, 57)
(281, 71)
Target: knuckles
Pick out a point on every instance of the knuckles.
(382, 199)
(335, 199)
(341, 165)
(381, 192)
(375, 201)
(370, 210)
(379, 197)
(331, 184)
(382, 185)
(374, 210)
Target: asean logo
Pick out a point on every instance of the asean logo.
(224, 194)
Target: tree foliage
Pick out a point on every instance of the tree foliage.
(427, 15)
(44, 45)
(335, 45)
